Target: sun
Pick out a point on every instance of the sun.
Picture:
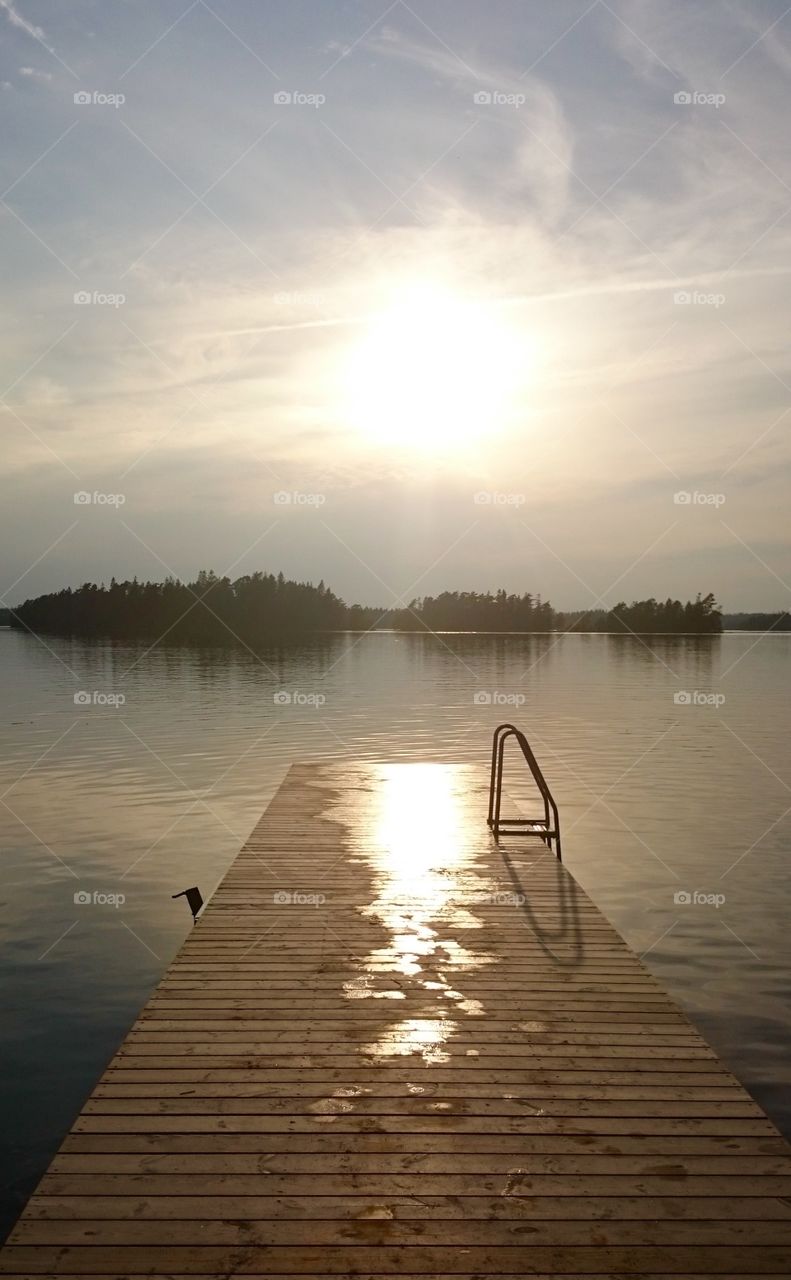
(434, 371)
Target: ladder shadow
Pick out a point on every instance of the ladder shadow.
(568, 931)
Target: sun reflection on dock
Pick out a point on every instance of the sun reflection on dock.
(425, 882)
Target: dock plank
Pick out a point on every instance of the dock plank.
(392, 1047)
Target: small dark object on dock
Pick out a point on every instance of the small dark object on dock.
(194, 899)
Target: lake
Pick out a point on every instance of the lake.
(129, 775)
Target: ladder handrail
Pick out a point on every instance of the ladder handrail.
(548, 830)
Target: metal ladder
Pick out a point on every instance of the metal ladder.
(548, 827)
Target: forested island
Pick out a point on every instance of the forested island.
(757, 621)
(471, 611)
(210, 610)
(260, 607)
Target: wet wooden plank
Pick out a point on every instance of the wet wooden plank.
(402, 1275)
(368, 1185)
(416, 1143)
(410, 1106)
(337, 1208)
(451, 1065)
(405, 1231)
(112, 1092)
(383, 1258)
(419, 1124)
(450, 1162)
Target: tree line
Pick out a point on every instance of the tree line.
(757, 621)
(476, 611)
(261, 606)
(700, 616)
(210, 610)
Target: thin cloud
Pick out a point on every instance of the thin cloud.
(33, 73)
(18, 20)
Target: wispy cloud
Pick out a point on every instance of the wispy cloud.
(20, 21)
(33, 73)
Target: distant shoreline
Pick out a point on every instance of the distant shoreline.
(261, 607)
(416, 631)
(264, 609)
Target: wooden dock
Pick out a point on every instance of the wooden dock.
(391, 1048)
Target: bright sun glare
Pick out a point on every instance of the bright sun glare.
(434, 370)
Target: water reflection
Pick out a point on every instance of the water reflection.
(697, 653)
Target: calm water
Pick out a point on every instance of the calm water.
(657, 798)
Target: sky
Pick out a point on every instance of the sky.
(408, 297)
